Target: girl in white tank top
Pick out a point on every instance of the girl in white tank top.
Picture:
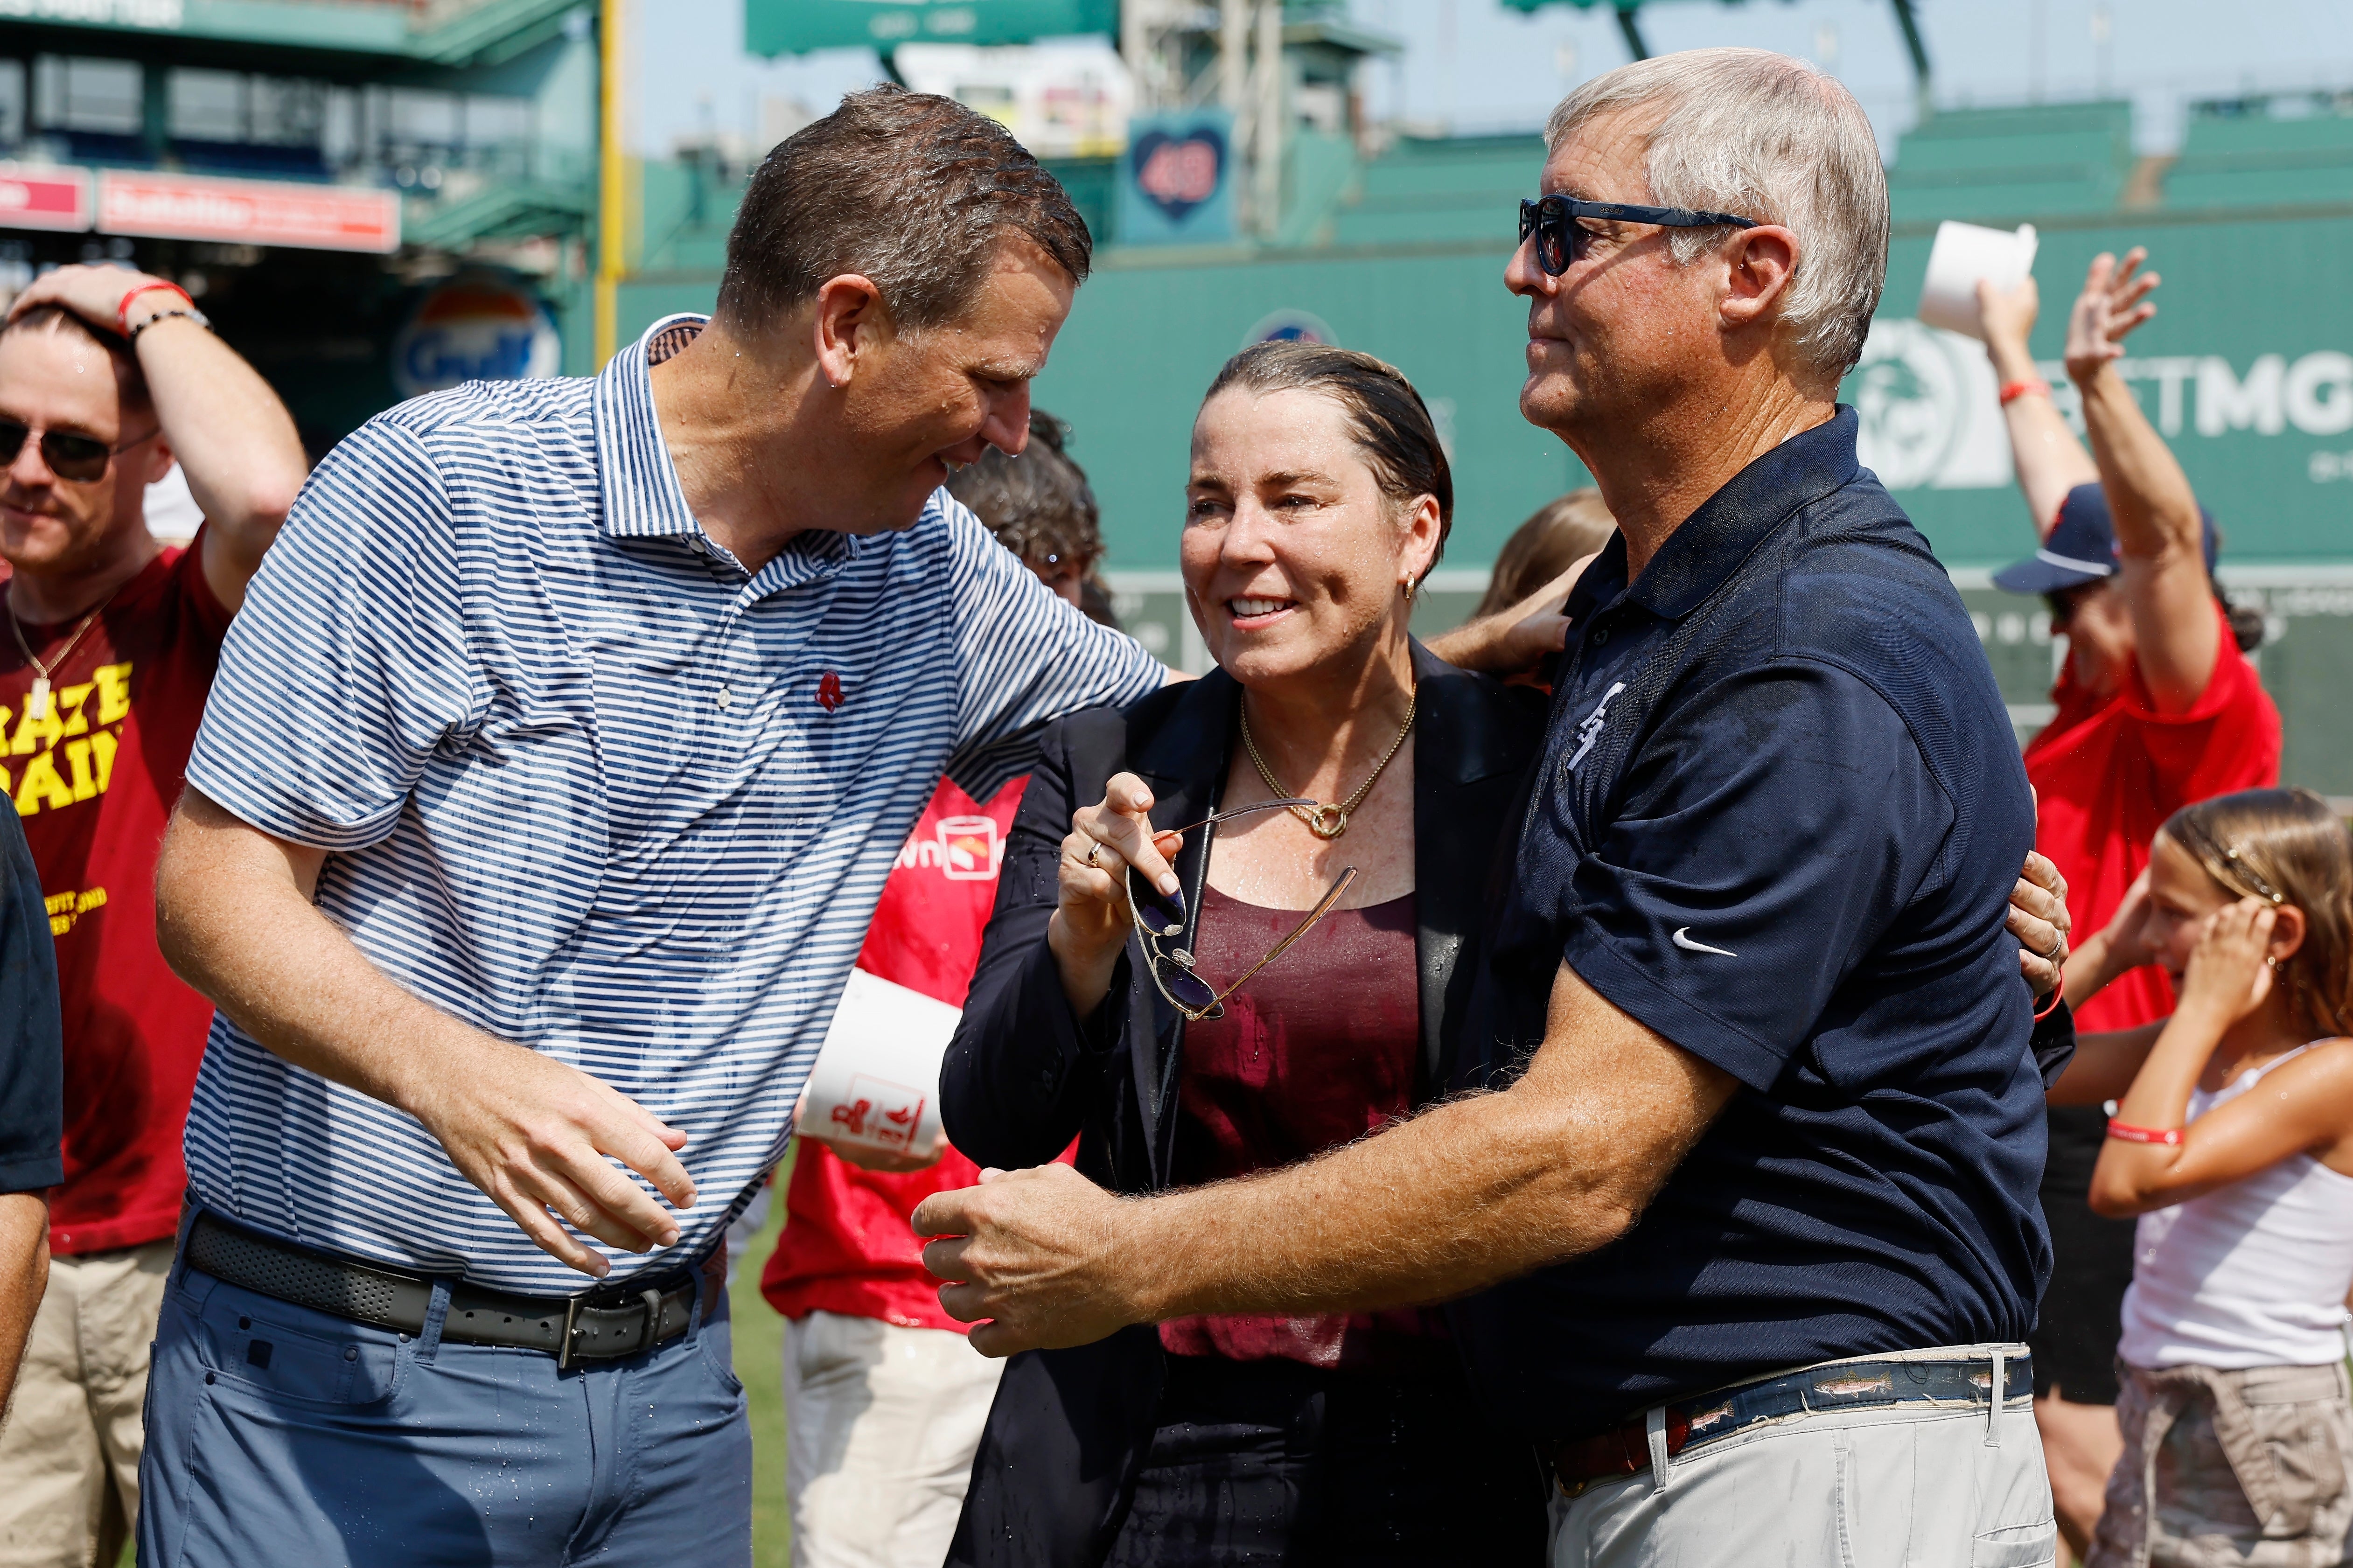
(2231, 1138)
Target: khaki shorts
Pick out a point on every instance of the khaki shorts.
(70, 1451)
(2231, 1469)
(880, 1425)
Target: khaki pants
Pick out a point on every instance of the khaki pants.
(880, 1426)
(69, 1452)
(1887, 1488)
(2231, 1469)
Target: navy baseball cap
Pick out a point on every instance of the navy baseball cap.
(2081, 549)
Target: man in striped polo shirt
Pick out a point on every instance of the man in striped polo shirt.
(553, 772)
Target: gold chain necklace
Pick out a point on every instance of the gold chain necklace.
(36, 702)
(1330, 821)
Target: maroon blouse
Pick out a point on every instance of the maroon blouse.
(1317, 1051)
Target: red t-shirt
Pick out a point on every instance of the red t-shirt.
(847, 1245)
(94, 782)
(2108, 771)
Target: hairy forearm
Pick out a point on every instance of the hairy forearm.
(234, 439)
(1471, 1193)
(24, 1275)
(1465, 1196)
(234, 921)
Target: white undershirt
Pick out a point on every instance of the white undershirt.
(2252, 1274)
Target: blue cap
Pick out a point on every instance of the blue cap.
(2081, 547)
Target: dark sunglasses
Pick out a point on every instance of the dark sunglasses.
(80, 458)
(1561, 239)
(1158, 915)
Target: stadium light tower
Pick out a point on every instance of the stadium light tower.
(1628, 13)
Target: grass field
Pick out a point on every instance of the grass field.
(759, 1362)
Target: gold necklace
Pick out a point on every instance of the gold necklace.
(1330, 821)
(36, 702)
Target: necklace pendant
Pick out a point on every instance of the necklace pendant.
(37, 703)
(1328, 822)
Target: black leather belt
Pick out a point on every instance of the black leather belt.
(603, 1324)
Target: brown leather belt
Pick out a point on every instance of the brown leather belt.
(603, 1324)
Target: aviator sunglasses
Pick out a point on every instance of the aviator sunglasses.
(1159, 915)
(1561, 239)
(80, 458)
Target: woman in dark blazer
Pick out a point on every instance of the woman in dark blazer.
(1320, 497)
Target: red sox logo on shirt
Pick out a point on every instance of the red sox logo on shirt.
(829, 691)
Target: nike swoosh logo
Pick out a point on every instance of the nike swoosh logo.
(1683, 940)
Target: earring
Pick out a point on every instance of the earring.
(1410, 585)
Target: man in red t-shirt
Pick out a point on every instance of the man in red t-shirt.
(107, 378)
(2156, 709)
(884, 1400)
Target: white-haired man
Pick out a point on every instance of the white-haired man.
(1749, 985)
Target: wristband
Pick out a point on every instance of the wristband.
(2012, 391)
(190, 315)
(2058, 995)
(2125, 1131)
(122, 306)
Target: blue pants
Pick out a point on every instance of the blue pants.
(282, 1438)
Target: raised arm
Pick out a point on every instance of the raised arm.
(233, 437)
(233, 917)
(2160, 533)
(1470, 1193)
(2050, 460)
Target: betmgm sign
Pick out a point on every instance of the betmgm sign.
(1931, 418)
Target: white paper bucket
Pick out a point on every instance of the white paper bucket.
(1964, 254)
(876, 1081)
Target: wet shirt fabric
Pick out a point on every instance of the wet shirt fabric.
(587, 784)
(1320, 1048)
(848, 1244)
(1777, 820)
(94, 774)
(2108, 771)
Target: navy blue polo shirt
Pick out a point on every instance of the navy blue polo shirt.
(1778, 819)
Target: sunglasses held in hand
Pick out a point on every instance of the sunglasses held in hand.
(82, 459)
(1561, 239)
(1159, 915)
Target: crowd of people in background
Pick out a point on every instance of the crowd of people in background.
(1653, 1073)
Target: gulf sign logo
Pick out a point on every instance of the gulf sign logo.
(475, 327)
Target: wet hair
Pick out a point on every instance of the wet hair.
(1561, 532)
(2285, 846)
(909, 190)
(1385, 415)
(1039, 505)
(129, 381)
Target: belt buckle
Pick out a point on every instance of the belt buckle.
(563, 1357)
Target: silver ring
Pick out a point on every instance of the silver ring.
(1091, 856)
(2058, 950)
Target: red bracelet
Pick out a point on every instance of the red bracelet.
(122, 307)
(2169, 1136)
(2058, 995)
(2012, 391)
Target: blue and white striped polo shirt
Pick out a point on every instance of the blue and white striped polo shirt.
(588, 785)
